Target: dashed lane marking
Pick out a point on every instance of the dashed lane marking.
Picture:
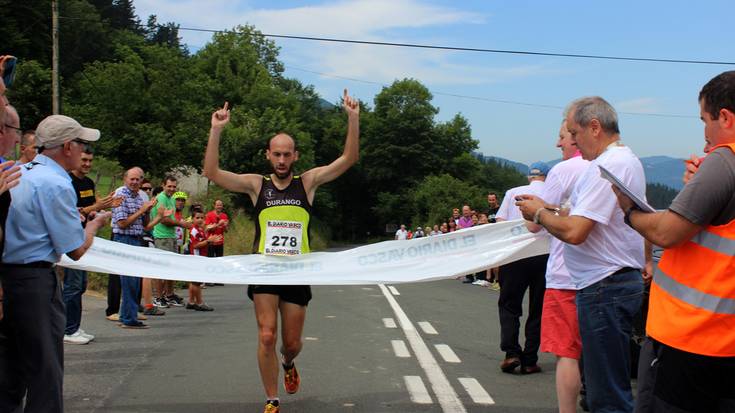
(389, 323)
(476, 391)
(443, 390)
(393, 290)
(399, 347)
(417, 390)
(447, 353)
(427, 327)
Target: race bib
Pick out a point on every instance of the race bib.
(283, 237)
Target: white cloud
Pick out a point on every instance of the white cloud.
(375, 20)
(639, 105)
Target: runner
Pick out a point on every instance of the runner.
(282, 205)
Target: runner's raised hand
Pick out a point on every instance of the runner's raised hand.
(351, 105)
(221, 117)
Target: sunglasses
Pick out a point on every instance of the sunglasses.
(146, 188)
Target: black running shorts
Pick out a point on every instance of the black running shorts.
(296, 294)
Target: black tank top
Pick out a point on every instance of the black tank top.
(288, 211)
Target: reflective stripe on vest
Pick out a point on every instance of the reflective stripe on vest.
(693, 296)
(692, 301)
(715, 242)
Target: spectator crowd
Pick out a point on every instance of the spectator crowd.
(583, 296)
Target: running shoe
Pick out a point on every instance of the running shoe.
(175, 300)
(160, 302)
(154, 311)
(86, 335)
(204, 307)
(291, 379)
(192, 306)
(76, 338)
(271, 408)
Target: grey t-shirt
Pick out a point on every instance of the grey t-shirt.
(709, 197)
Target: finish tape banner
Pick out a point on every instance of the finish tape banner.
(423, 259)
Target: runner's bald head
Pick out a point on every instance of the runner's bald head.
(281, 139)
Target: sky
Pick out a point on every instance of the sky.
(514, 103)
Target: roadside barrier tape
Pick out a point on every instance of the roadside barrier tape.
(423, 259)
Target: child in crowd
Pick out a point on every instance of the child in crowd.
(199, 240)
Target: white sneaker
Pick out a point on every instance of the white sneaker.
(86, 335)
(76, 338)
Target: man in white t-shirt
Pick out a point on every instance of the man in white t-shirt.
(517, 277)
(559, 325)
(402, 234)
(604, 256)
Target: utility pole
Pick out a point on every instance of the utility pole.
(55, 57)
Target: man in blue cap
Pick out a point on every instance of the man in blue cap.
(517, 277)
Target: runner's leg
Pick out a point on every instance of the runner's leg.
(266, 314)
(292, 326)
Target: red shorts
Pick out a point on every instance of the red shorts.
(559, 325)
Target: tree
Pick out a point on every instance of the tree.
(31, 93)
(434, 198)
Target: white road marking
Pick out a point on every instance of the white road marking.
(476, 391)
(417, 390)
(399, 347)
(445, 394)
(393, 290)
(311, 339)
(447, 353)
(427, 327)
(389, 323)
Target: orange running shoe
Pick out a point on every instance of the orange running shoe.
(291, 379)
(271, 408)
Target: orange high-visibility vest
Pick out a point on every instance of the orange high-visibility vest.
(692, 302)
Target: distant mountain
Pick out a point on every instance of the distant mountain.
(325, 104)
(663, 170)
(521, 167)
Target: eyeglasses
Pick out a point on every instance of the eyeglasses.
(18, 131)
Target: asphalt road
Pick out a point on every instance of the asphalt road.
(366, 349)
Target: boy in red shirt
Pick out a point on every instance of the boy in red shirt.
(199, 243)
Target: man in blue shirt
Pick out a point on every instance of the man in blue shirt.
(42, 225)
(128, 224)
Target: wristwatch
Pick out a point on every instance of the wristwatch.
(537, 214)
(626, 218)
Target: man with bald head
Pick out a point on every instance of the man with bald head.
(128, 224)
(282, 203)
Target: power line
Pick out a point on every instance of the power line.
(474, 49)
(478, 98)
(465, 49)
(484, 99)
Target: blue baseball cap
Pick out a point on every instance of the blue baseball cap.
(538, 169)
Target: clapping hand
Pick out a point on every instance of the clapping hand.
(10, 175)
(149, 204)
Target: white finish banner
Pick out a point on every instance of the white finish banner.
(422, 259)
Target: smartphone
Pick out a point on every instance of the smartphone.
(8, 70)
(519, 198)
